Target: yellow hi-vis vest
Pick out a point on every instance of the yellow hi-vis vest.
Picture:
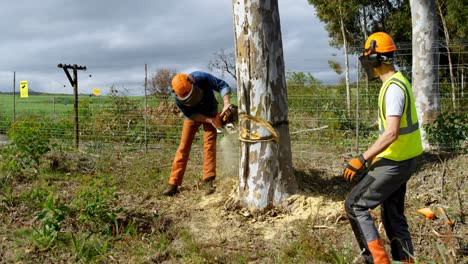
(408, 144)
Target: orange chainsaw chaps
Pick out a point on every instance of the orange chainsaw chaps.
(378, 252)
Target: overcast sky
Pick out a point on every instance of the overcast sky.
(115, 38)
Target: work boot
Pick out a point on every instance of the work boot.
(209, 188)
(171, 190)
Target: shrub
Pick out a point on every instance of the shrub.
(29, 140)
(30, 137)
(51, 218)
(95, 207)
(120, 120)
(448, 131)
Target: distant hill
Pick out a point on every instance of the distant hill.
(31, 92)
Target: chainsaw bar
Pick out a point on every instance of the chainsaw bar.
(229, 119)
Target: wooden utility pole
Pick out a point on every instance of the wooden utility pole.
(74, 83)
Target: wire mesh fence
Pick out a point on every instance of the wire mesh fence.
(316, 121)
(319, 116)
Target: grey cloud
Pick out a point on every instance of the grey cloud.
(114, 39)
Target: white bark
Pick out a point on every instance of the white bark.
(462, 95)
(425, 81)
(266, 175)
(345, 48)
(364, 31)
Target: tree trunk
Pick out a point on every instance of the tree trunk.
(447, 43)
(425, 59)
(345, 48)
(364, 30)
(266, 175)
(462, 95)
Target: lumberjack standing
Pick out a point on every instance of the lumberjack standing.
(392, 159)
(194, 95)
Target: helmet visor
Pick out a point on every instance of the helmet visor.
(193, 98)
(369, 63)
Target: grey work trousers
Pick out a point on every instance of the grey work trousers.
(385, 185)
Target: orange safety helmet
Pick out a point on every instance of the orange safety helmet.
(186, 91)
(379, 42)
(182, 85)
(379, 48)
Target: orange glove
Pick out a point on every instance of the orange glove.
(353, 167)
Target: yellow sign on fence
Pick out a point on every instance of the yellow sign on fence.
(97, 91)
(23, 89)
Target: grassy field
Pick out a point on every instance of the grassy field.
(44, 104)
(101, 203)
(107, 208)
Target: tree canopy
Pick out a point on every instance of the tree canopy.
(362, 17)
(301, 79)
(160, 81)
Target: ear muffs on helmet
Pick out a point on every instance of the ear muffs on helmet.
(387, 58)
(190, 79)
(379, 48)
(377, 57)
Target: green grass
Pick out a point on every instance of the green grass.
(121, 184)
(57, 104)
(102, 200)
(81, 217)
(45, 104)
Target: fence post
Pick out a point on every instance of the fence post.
(14, 98)
(146, 102)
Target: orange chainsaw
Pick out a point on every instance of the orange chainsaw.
(228, 119)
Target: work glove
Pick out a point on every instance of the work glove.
(354, 167)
